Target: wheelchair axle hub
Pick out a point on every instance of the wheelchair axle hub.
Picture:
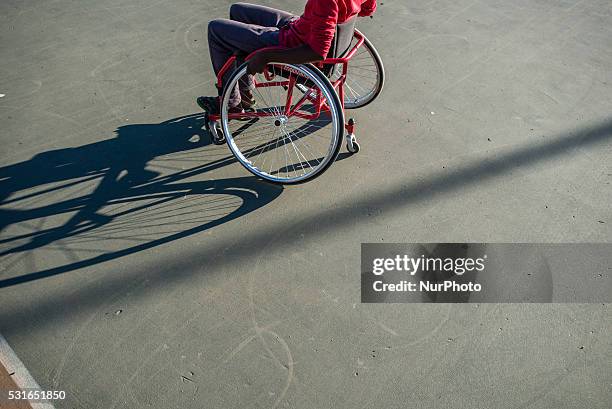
(281, 120)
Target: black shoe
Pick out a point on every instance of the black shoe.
(209, 104)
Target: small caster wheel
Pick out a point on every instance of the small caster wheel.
(351, 144)
(216, 134)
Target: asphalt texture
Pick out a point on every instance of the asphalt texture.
(142, 267)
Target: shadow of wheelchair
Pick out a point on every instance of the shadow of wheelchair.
(72, 208)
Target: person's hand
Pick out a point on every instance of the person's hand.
(257, 63)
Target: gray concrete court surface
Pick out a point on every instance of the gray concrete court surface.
(143, 267)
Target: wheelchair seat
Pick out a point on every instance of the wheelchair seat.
(340, 46)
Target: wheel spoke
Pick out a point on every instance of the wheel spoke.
(363, 80)
(286, 148)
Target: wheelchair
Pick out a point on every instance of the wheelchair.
(298, 125)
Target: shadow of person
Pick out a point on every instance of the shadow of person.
(131, 149)
(118, 196)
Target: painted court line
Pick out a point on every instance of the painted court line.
(18, 375)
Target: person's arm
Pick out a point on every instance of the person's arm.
(318, 43)
(298, 55)
(367, 8)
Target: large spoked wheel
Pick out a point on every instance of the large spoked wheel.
(365, 77)
(295, 131)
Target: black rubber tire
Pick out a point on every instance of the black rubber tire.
(355, 149)
(381, 71)
(340, 137)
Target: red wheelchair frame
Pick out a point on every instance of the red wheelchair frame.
(293, 110)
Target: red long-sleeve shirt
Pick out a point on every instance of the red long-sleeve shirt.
(317, 26)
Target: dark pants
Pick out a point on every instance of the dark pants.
(249, 28)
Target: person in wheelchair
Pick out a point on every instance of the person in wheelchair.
(306, 38)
